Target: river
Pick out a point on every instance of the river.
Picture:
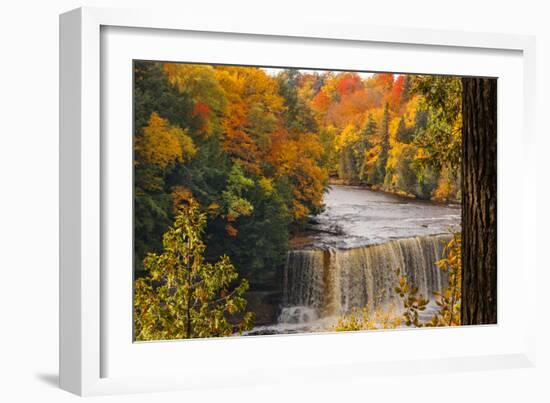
(349, 254)
(356, 216)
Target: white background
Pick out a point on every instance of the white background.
(29, 201)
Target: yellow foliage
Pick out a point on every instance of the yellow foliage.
(199, 81)
(162, 145)
(394, 153)
(368, 319)
(410, 112)
(267, 186)
(297, 158)
(213, 206)
(371, 156)
(446, 187)
(392, 128)
(349, 136)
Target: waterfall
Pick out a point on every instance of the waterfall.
(333, 281)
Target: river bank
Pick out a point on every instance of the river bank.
(379, 188)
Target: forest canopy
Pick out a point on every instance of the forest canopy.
(256, 150)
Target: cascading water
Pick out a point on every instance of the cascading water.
(350, 252)
(333, 281)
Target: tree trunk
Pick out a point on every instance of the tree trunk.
(479, 201)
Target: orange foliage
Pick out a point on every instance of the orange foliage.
(231, 230)
(251, 114)
(384, 81)
(242, 148)
(396, 93)
(296, 157)
(320, 102)
(349, 83)
(181, 196)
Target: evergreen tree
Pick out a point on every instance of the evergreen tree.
(406, 94)
(403, 134)
(298, 115)
(384, 136)
(367, 142)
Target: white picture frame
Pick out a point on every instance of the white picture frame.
(90, 362)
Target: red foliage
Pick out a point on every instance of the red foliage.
(384, 81)
(396, 92)
(348, 84)
(201, 109)
(231, 230)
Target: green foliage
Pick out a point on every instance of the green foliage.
(298, 115)
(378, 175)
(183, 296)
(235, 204)
(403, 134)
(407, 179)
(155, 96)
(442, 136)
(262, 240)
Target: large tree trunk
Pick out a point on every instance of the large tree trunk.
(479, 201)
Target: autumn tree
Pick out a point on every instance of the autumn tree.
(252, 115)
(162, 145)
(199, 83)
(441, 97)
(183, 296)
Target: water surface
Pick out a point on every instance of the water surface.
(356, 216)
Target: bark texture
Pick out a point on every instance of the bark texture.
(479, 201)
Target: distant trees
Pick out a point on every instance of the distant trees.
(408, 128)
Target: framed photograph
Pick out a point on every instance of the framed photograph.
(241, 192)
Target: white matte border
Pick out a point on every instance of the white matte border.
(121, 357)
(305, 349)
